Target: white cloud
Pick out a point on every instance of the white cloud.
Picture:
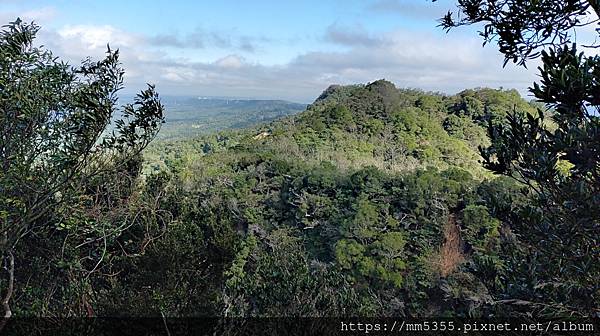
(202, 39)
(230, 62)
(40, 15)
(178, 74)
(94, 37)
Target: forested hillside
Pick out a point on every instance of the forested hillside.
(371, 202)
(373, 125)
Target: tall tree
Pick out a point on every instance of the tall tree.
(56, 133)
(560, 232)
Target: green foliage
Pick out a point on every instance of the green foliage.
(480, 230)
(566, 199)
(371, 202)
(62, 176)
(281, 282)
(557, 161)
(348, 253)
(285, 224)
(53, 117)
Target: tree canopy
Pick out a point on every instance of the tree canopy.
(561, 165)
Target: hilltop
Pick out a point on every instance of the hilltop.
(376, 125)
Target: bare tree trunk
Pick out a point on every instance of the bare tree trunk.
(11, 280)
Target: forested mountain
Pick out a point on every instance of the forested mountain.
(371, 125)
(370, 202)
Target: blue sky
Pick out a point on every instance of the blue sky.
(270, 49)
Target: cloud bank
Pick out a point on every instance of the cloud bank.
(436, 62)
